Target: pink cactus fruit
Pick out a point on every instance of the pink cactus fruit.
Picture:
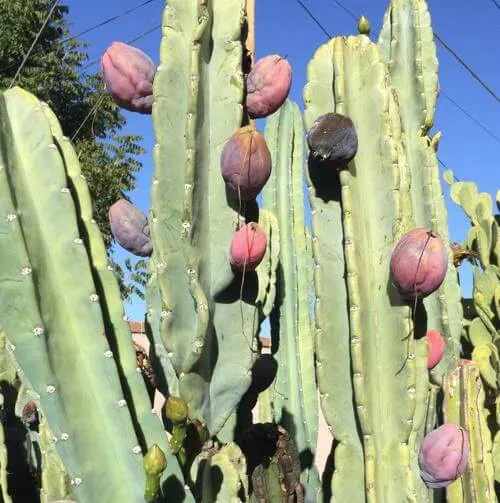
(419, 263)
(268, 85)
(248, 247)
(246, 163)
(435, 347)
(130, 228)
(443, 456)
(128, 74)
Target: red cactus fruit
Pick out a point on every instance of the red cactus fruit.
(419, 263)
(444, 454)
(268, 85)
(128, 74)
(333, 140)
(435, 347)
(248, 247)
(130, 228)
(263, 373)
(246, 163)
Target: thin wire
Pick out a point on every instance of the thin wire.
(446, 168)
(92, 28)
(142, 35)
(54, 5)
(466, 66)
(484, 128)
(447, 47)
(92, 110)
(496, 3)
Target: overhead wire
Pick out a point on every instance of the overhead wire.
(94, 27)
(496, 4)
(462, 109)
(27, 55)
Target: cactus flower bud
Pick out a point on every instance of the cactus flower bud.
(176, 409)
(435, 347)
(419, 263)
(248, 247)
(155, 461)
(333, 140)
(444, 454)
(246, 163)
(268, 85)
(128, 74)
(364, 26)
(130, 228)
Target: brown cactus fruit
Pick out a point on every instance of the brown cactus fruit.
(443, 456)
(130, 228)
(435, 347)
(419, 263)
(128, 74)
(268, 85)
(333, 140)
(248, 247)
(246, 163)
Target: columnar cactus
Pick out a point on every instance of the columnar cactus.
(365, 312)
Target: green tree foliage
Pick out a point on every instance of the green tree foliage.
(55, 73)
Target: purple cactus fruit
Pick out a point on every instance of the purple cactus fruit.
(443, 456)
(263, 373)
(246, 163)
(333, 140)
(248, 247)
(130, 228)
(268, 85)
(435, 347)
(419, 263)
(128, 74)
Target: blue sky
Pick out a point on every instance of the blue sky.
(471, 28)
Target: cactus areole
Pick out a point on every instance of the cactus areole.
(268, 85)
(246, 163)
(444, 455)
(419, 263)
(248, 247)
(333, 140)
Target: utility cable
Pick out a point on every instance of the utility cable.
(474, 75)
(142, 35)
(496, 3)
(473, 119)
(94, 27)
(27, 55)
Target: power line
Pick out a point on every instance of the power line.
(54, 5)
(142, 35)
(496, 3)
(474, 75)
(93, 27)
(311, 15)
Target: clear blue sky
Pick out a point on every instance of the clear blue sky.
(470, 27)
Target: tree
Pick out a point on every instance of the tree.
(54, 73)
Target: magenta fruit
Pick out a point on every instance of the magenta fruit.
(130, 228)
(333, 140)
(435, 347)
(246, 163)
(128, 74)
(419, 263)
(443, 456)
(248, 247)
(268, 85)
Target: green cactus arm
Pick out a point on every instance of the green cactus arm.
(198, 105)
(296, 400)
(464, 405)
(331, 316)
(51, 314)
(118, 332)
(407, 47)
